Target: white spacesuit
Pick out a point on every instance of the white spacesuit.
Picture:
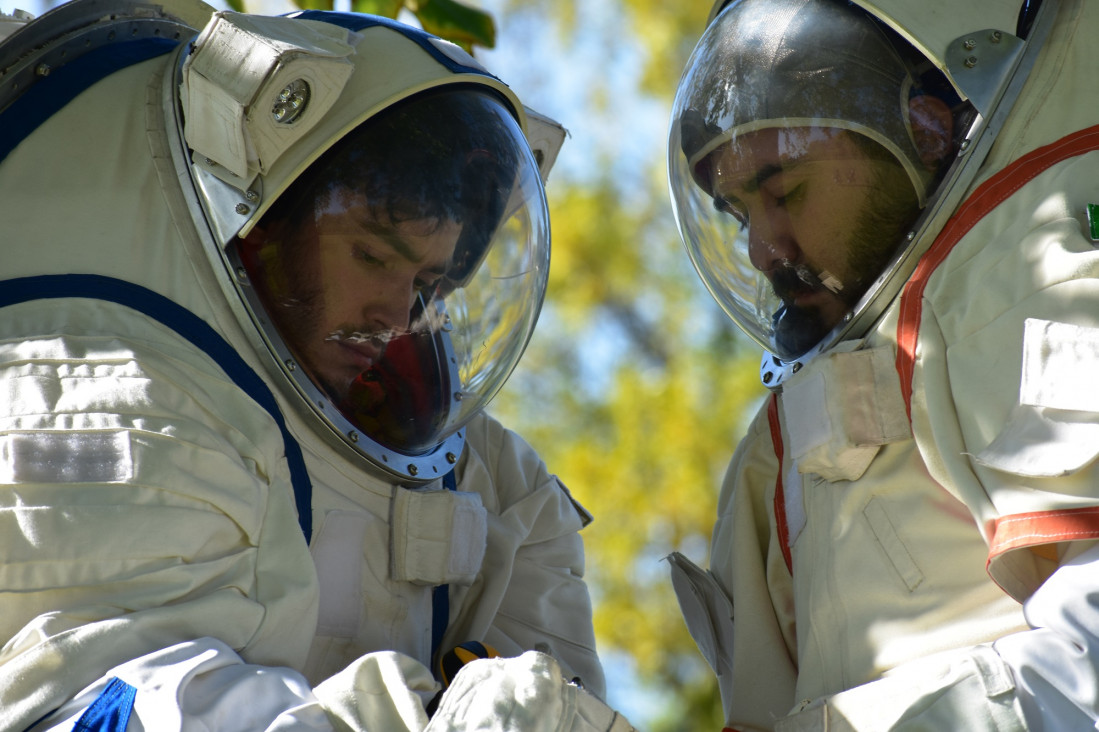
(898, 201)
(248, 481)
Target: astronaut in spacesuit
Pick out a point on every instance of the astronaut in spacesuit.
(261, 277)
(898, 202)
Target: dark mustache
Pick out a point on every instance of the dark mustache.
(789, 280)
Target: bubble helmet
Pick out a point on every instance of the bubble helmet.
(818, 146)
(373, 200)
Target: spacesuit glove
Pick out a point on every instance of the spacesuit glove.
(524, 694)
(1056, 665)
(969, 689)
(384, 690)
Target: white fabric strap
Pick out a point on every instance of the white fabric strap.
(438, 537)
(338, 551)
(841, 409)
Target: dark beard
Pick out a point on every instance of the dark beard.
(878, 235)
(796, 330)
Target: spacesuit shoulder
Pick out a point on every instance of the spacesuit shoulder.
(502, 462)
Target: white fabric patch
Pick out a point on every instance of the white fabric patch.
(438, 536)
(805, 407)
(1059, 366)
(338, 555)
(841, 409)
(66, 457)
(1052, 431)
(794, 499)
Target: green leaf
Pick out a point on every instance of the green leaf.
(314, 4)
(456, 22)
(385, 8)
(237, 5)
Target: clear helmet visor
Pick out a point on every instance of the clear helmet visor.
(404, 272)
(795, 172)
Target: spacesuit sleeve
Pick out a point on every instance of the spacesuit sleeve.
(204, 685)
(1055, 664)
(532, 594)
(143, 503)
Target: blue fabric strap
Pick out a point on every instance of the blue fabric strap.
(440, 596)
(110, 712)
(192, 328)
(50, 93)
(359, 21)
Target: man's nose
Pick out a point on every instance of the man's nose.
(392, 309)
(771, 241)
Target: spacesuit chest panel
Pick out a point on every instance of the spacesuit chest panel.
(840, 410)
(378, 564)
(885, 563)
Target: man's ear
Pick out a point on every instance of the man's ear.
(932, 128)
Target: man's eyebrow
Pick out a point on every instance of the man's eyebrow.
(399, 245)
(752, 184)
(762, 175)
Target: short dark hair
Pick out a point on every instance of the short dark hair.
(443, 154)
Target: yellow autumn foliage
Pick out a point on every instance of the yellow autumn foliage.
(635, 390)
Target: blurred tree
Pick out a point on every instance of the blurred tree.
(635, 387)
(635, 392)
